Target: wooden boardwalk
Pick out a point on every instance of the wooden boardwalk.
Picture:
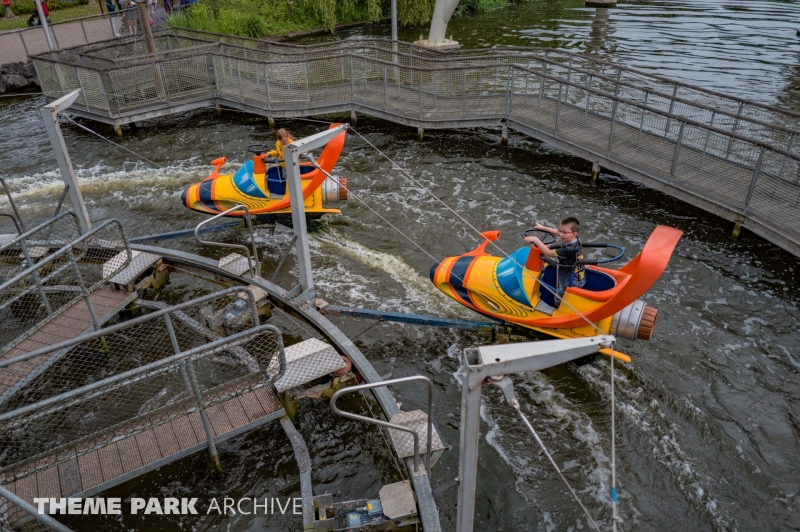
(69, 324)
(143, 445)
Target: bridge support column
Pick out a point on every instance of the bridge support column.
(504, 134)
(118, 130)
(218, 110)
(353, 118)
(420, 133)
(601, 3)
(271, 122)
(737, 228)
(595, 171)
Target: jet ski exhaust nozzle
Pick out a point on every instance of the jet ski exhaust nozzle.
(334, 189)
(636, 321)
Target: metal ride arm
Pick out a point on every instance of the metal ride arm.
(291, 155)
(491, 364)
(15, 217)
(365, 419)
(252, 260)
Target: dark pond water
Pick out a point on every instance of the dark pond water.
(708, 430)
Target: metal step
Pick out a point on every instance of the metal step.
(127, 277)
(235, 263)
(307, 361)
(416, 420)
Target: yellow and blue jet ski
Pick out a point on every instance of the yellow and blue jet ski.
(260, 185)
(519, 289)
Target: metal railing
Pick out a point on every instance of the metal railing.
(18, 45)
(733, 157)
(13, 510)
(252, 259)
(50, 267)
(15, 217)
(142, 373)
(336, 410)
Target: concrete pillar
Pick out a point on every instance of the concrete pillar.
(118, 130)
(595, 171)
(353, 118)
(504, 134)
(601, 3)
(218, 110)
(271, 122)
(737, 228)
(420, 133)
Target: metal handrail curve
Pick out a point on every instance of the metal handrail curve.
(365, 419)
(252, 260)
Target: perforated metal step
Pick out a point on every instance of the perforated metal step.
(140, 263)
(307, 361)
(235, 263)
(416, 420)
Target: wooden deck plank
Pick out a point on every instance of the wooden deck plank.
(148, 446)
(184, 432)
(197, 425)
(167, 441)
(252, 406)
(91, 473)
(26, 487)
(69, 475)
(48, 484)
(110, 462)
(220, 423)
(236, 414)
(129, 454)
(268, 399)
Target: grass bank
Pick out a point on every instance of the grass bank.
(262, 18)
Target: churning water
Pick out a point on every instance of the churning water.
(708, 412)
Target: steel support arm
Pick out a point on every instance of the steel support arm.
(292, 154)
(493, 362)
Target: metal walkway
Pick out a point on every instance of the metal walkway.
(732, 157)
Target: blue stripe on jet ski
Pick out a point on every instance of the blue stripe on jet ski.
(205, 195)
(459, 270)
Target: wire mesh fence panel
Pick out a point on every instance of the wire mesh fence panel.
(138, 374)
(775, 195)
(52, 276)
(13, 517)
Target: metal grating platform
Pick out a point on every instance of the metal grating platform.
(417, 420)
(306, 361)
(121, 455)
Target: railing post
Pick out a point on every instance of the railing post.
(671, 107)
(85, 38)
(84, 290)
(558, 106)
(613, 126)
(541, 82)
(708, 136)
(753, 181)
(384, 88)
(266, 83)
(463, 90)
(569, 78)
(164, 81)
(641, 122)
(677, 151)
(735, 127)
(509, 90)
(38, 282)
(239, 75)
(352, 82)
(588, 97)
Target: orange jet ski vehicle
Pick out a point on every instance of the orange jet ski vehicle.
(519, 289)
(260, 185)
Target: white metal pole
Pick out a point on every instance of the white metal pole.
(50, 114)
(45, 25)
(291, 156)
